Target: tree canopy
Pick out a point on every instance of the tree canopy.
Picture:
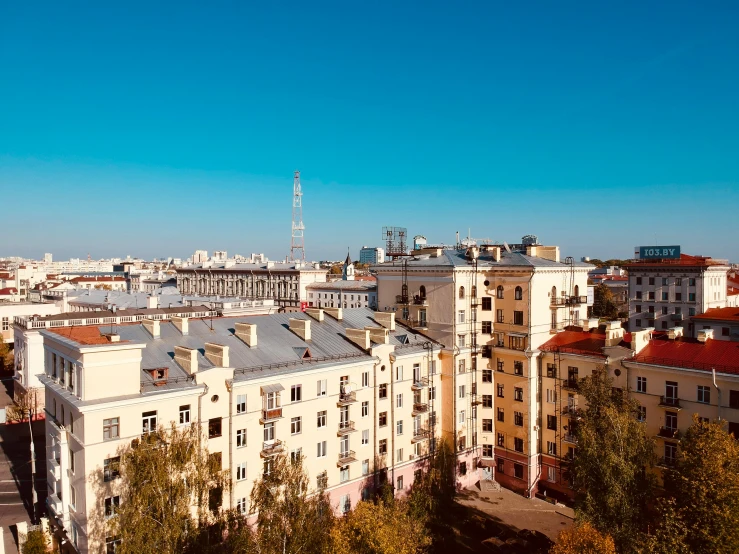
(583, 539)
(603, 303)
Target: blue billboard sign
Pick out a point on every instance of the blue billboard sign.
(659, 252)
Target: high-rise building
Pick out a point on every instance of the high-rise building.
(371, 255)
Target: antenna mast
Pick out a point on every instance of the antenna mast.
(297, 246)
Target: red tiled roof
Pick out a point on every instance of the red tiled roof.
(722, 314)
(82, 335)
(96, 279)
(589, 343)
(8, 290)
(689, 353)
(685, 260)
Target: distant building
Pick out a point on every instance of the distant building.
(724, 323)
(220, 256)
(48, 258)
(200, 256)
(371, 255)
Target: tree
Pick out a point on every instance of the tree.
(432, 494)
(37, 542)
(704, 485)
(6, 357)
(583, 539)
(670, 532)
(336, 269)
(288, 518)
(610, 469)
(603, 304)
(163, 477)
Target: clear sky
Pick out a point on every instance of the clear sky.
(154, 129)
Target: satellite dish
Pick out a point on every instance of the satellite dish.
(347, 389)
(507, 248)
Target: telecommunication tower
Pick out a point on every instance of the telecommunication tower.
(297, 246)
(395, 241)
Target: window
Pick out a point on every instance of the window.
(269, 432)
(185, 414)
(111, 428)
(671, 420)
(518, 394)
(638, 280)
(664, 310)
(296, 455)
(651, 309)
(149, 421)
(461, 341)
(383, 419)
(399, 455)
(518, 444)
(487, 400)
(240, 438)
(365, 408)
(321, 387)
(518, 368)
(487, 425)
(365, 437)
(321, 449)
(487, 375)
(501, 390)
(664, 281)
(638, 322)
(399, 427)
(679, 296)
(651, 296)
(296, 393)
(665, 296)
(551, 396)
(432, 393)
(214, 427)
(461, 293)
(111, 468)
(638, 308)
(499, 316)
(704, 394)
(500, 365)
(691, 282)
(651, 280)
(691, 297)
(399, 373)
(518, 471)
(112, 503)
(641, 384)
(734, 399)
(432, 367)
(642, 414)
(518, 419)
(460, 316)
(518, 318)
(365, 379)
(499, 291)
(461, 366)
(500, 466)
(461, 417)
(112, 544)
(501, 415)
(241, 471)
(322, 480)
(670, 391)
(638, 295)
(383, 391)
(345, 504)
(382, 447)
(552, 422)
(487, 303)
(240, 404)
(487, 327)
(691, 312)
(551, 474)
(461, 391)
(241, 505)
(296, 425)
(551, 448)
(399, 400)
(501, 440)
(365, 467)
(724, 331)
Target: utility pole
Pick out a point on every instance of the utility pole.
(297, 245)
(33, 468)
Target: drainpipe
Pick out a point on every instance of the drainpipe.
(200, 430)
(392, 422)
(230, 387)
(718, 390)
(528, 354)
(374, 419)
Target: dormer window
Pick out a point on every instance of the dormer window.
(159, 374)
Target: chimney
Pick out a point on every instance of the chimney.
(495, 250)
(300, 327)
(114, 337)
(182, 324)
(531, 251)
(360, 337)
(247, 332)
(592, 323)
(315, 313)
(187, 359)
(386, 319)
(152, 327)
(152, 302)
(380, 335)
(336, 313)
(614, 333)
(705, 334)
(217, 354)
(639, 339)
(674, 333)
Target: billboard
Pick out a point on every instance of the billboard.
(659, 252)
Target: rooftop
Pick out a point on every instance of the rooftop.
(691, 354)
(452, 257)
(344, 285)
(265, 266)
(719, 314)
(685, 260)
(574, 340)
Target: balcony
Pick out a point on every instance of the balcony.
(55, 469)
(420, 408)
(474, 302)
(346, 398)
(676, 317)
(271, 414)
(401, 299)
(420, 435)
(572, 439)
(55, 503)
(666, 462)
(420, 383)
(668, 433)
(558, 301)
(345, 427)
(271, 448)
(577, 300)
(571, 384)
(669, 402)
(570, 410)
(346, 457)
(420, 301)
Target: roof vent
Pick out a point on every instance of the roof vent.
(247, 332)
(315, 313)
(300, 327)
(704, 335)
(674, 333)
(186, 358)
(379, 335)
(360, 337)
(386, 319)
(336, 313)
(217, 354)
(182, 324)
(151, 326)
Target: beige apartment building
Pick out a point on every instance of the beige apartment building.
(350, 390)
(492, 308)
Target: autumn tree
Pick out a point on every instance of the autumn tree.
(6, 357)
(669, 531)
(583, 539)
(432, 494)
(166, 476)
(610, 469)
(603, 304)
(37, 542)
(704, 484)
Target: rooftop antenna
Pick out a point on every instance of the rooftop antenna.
(297, 245)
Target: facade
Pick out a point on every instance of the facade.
(284, 282)
(343, 294)
(9, 310)
(371, 255)
(491, 309)
(664, 293)
(723, 322)
(351, 391)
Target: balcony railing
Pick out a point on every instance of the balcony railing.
(55, 504)
(347, 457)
(420, 301)
(346, 398)
(572, 439)
(55, 470)
(420, 435)
(420, 408)
(571, 410)
(420, 383)
(401, 299)
(669, 402)
(676, 317)
(668, 433)
(346, 427)
(271, 414)
(571, 384)
(271, 448)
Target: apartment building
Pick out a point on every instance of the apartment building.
(345, 294)
(9, 310)
(665, 292)
(491, 308)
(349, 390)
(724, 322)
(371, 255)
(670, 375)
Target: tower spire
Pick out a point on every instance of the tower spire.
(297, 246)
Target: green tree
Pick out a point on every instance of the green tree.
(37, 542)
(164, 476)
(432, 494)
(603, 304)
(669, 536)
(583, 539)
(610, 469)
(6, 357)
(336, 269)
(704, 484)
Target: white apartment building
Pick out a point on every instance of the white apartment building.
(9, 310)
(664, 293)
(371, 255)
(350, 390)
(344, 294)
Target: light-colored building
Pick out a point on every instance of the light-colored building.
(200, 256)
(9, 310)
(665, 292)
(349, 390)
(371, 255)
(285, 283)
(346, 294)
(491, 309)
(723, 322)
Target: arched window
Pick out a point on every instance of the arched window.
(473, 291)
(554, 292)
(519, 293)
(422, 292)
(499, 291)
(577, 290)
(461, 293)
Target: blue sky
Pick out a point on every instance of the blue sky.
(154, 129)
